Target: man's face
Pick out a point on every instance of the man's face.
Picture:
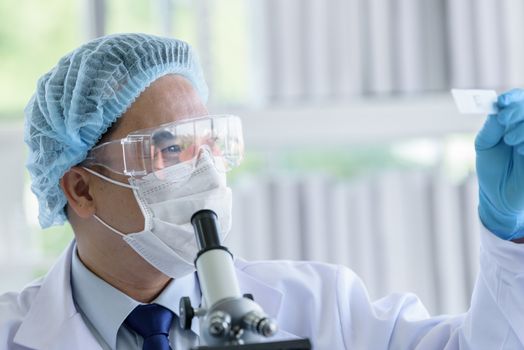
(168, 99)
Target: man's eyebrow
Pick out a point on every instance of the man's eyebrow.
(163, 136)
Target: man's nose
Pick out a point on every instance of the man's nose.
(203, 151)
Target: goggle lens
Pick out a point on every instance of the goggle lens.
(152, 150)
(181, 143)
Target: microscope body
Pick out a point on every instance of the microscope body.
(228, 319)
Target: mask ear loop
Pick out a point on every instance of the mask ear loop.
(143, 208)
(109, 227)
(118, 183)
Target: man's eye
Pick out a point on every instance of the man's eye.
(172, 149)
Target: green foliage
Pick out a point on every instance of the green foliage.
(339, 162)
(34, 34)
(342, 163)
(52, 241)
(55, 239)
(229, 52)
(125, 16)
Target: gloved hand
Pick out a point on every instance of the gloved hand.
(500, 167)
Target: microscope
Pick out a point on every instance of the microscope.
(228, 319)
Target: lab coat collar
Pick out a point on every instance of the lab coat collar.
(103, 305)
(53, 321)
(67, 327)
(267, 297)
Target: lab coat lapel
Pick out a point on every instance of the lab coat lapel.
(269, 298)
(53, 321)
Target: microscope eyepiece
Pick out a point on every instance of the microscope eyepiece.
(205, 223)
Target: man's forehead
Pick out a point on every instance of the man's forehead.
(168, 99)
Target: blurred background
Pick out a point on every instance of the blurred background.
(356, 154)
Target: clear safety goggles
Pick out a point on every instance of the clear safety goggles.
(152, 150)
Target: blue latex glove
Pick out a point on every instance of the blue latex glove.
(500, 167)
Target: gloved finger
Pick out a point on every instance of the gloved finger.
(512, 114)
(520, 149)
(509, 97)
(514, 134)
(490, 134)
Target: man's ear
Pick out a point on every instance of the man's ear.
(76, 184)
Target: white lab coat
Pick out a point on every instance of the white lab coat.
(326, 303)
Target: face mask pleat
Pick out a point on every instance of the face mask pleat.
(168, 241)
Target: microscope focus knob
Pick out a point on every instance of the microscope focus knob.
(219, 324)
(260, 324)
(267, 327)
(186, 313)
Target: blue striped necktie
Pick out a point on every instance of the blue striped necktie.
(152, 322)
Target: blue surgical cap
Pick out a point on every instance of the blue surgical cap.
(83, 95)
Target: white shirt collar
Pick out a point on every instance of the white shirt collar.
(54, 297)
(107, 308)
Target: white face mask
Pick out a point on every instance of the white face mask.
(168, 240)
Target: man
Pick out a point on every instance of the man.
(122, 146)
